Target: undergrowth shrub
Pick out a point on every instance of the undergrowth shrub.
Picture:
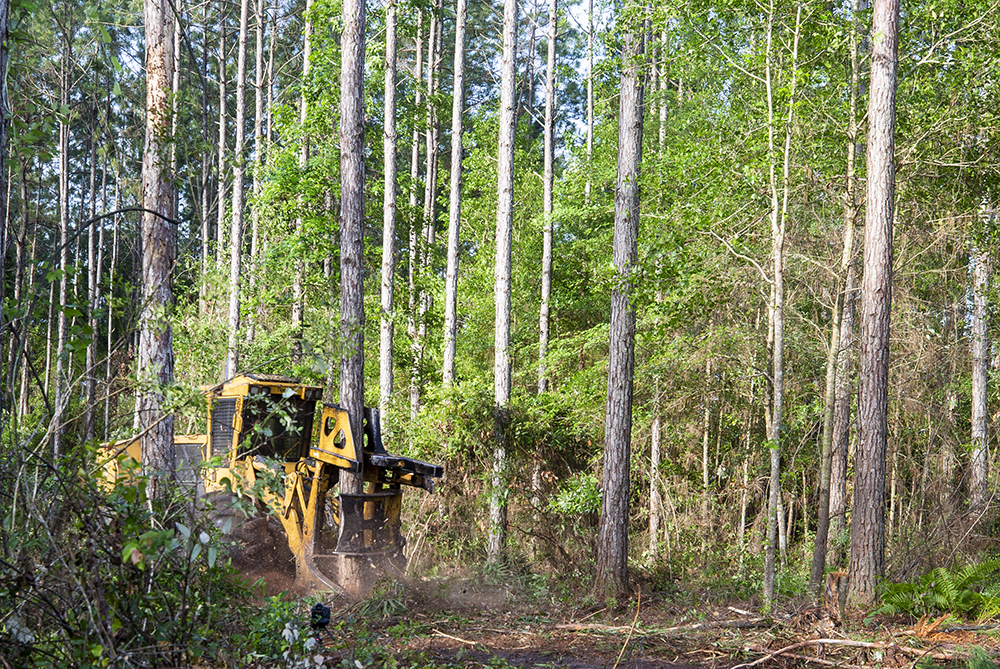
(970, 591)
(552, 496)
(99, 574)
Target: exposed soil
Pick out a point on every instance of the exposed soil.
(464, 620)
(260, 552)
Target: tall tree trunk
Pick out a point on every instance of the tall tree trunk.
(53, 296)
(868, 519)
(390, 139)
(836, 415)
(90, 381)
(159, 250)
(298, 277)
(259, 150)
(979, 480)
(612, 538)
(527, 96)
(5, 400)
(496, 546)
(239, 167)
(430, 214)
(18, 351)
(590, 101)
(706, 520)
(110, 329)
(220, 221)
(206, 168)
(175, 89)
(414, 237)
(842, 423)
(455, 197)
(352, 219)
(779, 215)
(270, 74)
(549, 184)
(59, 400)
(655, 499)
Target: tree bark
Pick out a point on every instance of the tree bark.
(434, 38)
(159, 250)
(414, 236)
(842, 422)
(501, 290)
(6, 399)
(111, 291)
(612, 539)
(706, 424)
(258, 163)
(455, 198)
(352, 219)
(239, 167)
(273, 15)
(979, 478)
(590, 101)
(390, 139)
(220, 220)
(836, 415)
(90, 381)
(549, 186)
(19, 343)
(298, 269)
(655, 499)
(206, 168)
(59, 399)
(868, 519)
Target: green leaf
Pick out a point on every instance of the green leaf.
(211, 556)
(183, 530)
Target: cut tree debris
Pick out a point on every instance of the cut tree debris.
(950, 657)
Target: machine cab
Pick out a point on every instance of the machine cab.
(259, 416)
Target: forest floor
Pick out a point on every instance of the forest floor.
(465, 622)
(464, 619)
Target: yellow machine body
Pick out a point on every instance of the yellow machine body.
(262, 425)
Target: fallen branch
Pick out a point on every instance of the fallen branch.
(455, 638)
(851, 644)
(590, 627)
(618, 629)
(818, 660)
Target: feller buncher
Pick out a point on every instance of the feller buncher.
(262, 425)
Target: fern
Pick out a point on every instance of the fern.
(968, 591)
(990, 608)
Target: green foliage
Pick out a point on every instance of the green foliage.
(95, 571)
(971, 591)
(980, 659)
(579, 495)
(385, 601)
